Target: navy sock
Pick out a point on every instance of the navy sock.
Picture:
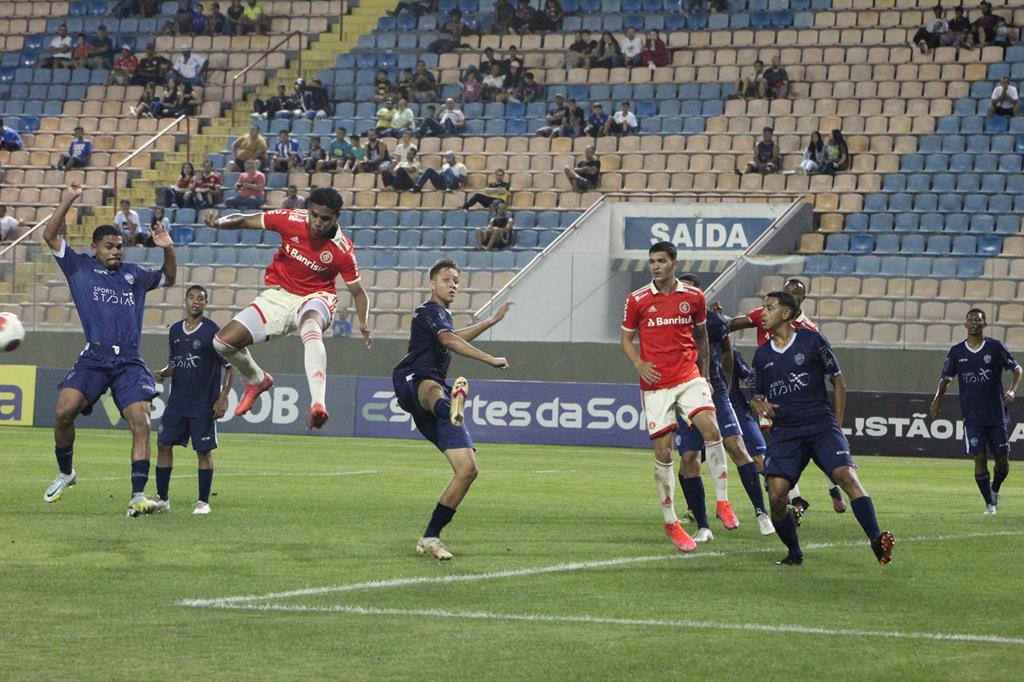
(439, 519)
(64, 456)
(984, 486)
(443, 410)
(1001, 472)
(140, 476)
(205, 483)
(752, 484)
(693, 491)
(163, 481)
(864, 510)
(786, 530)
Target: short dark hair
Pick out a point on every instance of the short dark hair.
(663, 247)
(797, 281)
(758, 61)
(443, 264)
(104, 231)
(200, 287)
(786, 301)
(327, 197)
(976, 310)
(767, 129)
(692, 279)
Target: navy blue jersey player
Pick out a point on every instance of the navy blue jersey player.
(753, 438)
(198, 398)
(437, 409)
(790, 372)
(109, 296)
(979, 362)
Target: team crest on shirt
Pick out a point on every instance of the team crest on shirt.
(987, 358)
(130, 278)
(799, 358)
(196, 344)
(684, 307)
(326, 257)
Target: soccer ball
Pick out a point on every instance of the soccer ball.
(12, 332)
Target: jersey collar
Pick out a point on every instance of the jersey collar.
(656, 292)
(984, 340)
(792, 339)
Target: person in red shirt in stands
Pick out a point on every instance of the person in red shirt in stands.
(655, 52)
(205, 190)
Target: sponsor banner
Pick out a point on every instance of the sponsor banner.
(17, 394)
(692, 235)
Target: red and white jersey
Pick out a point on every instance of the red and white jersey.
(306, 265)
(665, 323)
(756, 316)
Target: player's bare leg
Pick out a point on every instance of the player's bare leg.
(693, 490)
(205, 462)
(1001, 470)
(882, 541)
(232, 342)
(665, 482)
(714, 450)
(460, 391)
(311, 326)
(164, 465)
(984, 482)
(137, 417)
(70, 403)
(783, 520)
(838, 503)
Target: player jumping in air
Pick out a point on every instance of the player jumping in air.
(669, 316)
(789, 388)
(198, 398)
(979, 362)
(301, 295)
(109, 296)
(437, 409)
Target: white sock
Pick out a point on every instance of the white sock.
(794, 493)
(315, 360)
(665, 482)
(240, 360)
(719, 468)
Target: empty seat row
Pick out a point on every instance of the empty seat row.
(956, 223)
(895, 266)
(914, 244)
(953, 182)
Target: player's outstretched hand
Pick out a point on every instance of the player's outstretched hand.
(160, 375)
(500, 363)
(763, 408)
(220, 407)
(73, 191)
(1008, 397)
(715, 307)
(210, 218)
(160, 236)
(502, 311)
(647, 372)
(367, 333)
(933, 409)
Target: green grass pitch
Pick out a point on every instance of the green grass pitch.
(561, 571)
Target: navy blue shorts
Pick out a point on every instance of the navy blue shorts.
(441, 432)
(993, 440)
(128, 379)
(793, 448)
(688, 438)
(177, 430)
(753, 436)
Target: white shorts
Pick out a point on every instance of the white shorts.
(687, 398)
(276, 312)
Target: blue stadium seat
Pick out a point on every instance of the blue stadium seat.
(990, 245)
(975, 203)
(993, 184)
(881, 222)
(458, 218)
(865, 265)
(938, 244)
(387, 237)
(840, 243)
(924, 203)
(893, 266)
(901, 201)
(948, 203)
(981, 223)
(1007, 224)
(907, 222)
(970, 268)
(934, 163)
(948, 124)
(896, 183)
(964, 182)
(886, 243)
(1009, 163)
(816, 265)
(952, 144)
(760, 20)
(456, 238)
(476, 219)
(983, 163)
(527, 239)
(409, 238)
(918, 266)
(409, 219)
(250, 237)
(996, 125)
(956, 222)
(965, 245)
(912, 244)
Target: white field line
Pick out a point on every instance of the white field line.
(241, 474)
(228, 602)
(632, 622)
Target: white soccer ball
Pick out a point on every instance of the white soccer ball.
(12, 332)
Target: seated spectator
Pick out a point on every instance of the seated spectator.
(153, 68)
(127, 223)
(498, 233)
(146, 100)
(452, 120)
(101, 50)
(485, 64)
(572, 121)
(751, 85)
(358, 150)
(400, 151)
(504, 16)
(281, 101)
(60, 49)
(1004, 34)
(451, 34)
(430, 126)
(216, 22)
(837, 154)
(984, 27)
(553, 119)
(494, 85)
(375, 155)
(189, 67)
(424, 83)
(587, 173)
(251, 188)
(198, 26)
(655, 52)
(10, 227)
(452, 176)
(253, 20)
(632, 47)
(403, 121)
(607, 54)
(205, 189)
(766, 154)
(339, 153)
(233, 23)
(10, 140)
(159, 220)
(524, 18)
(814, 155)
(404, 89)
(248, 147)
(930, 36)
(581, 52)
(167, 103)
(527, 91)
(187, 101)
(181, 24)
(959, 33)
(342, 325)
(315, 156)
(497, 189)
(622, 122)
(313, 99)
(175, 195)
(415, 7)
(384, 114)
(596, 121)
(124, 67)
(1005, 101)
(292, 198)
(776, 81)
(405, 173)
(79, 152)
(471, 88)
(514, 77)
(286, 154)
(511, 57)
(551, 18)
(382, 87)
(80, 52)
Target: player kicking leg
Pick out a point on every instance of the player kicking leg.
(437, 409)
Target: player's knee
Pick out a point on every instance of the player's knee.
(221, 347)
(65, 413)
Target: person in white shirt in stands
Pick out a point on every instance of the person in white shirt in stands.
(402, 120)
(1004, 99)
(189, 68)
(10, 227)
(405, 174)
(127, 222)
(631, 45)
(453, 175)
(622, 122)
(60, 50)
(452, 120)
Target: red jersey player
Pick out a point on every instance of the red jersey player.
(300, 295)
(669, 316)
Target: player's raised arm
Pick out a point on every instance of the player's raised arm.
(739, 322)
(162, 239)
(456, 344)
(251, 221)
(471, 332)
(362, 302)
(51, 233)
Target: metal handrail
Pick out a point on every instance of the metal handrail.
(25, 236)
(247, 69)
(150, 141)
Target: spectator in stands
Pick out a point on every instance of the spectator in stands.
(384, 115)
(198, 26)
(175, 195)
(415, 7)
(313, 99)
(146, 100)
(124, 67)
(498, 233)
(471, 88)
(403, 120)
(215, 21)
(205, 190)
(10, 140)
(167, 103)
(596, 121)
(485, 63)
(381, 86)
(766, 154)
(622, 122)
(775, 81)
(524, 18)
(959, 34)
(405, 173)
(281, 101)
(375, 155)
(101, 50)
(80, 52)
(497, 189)
(1004, 34)
(494, 85)
(315, 156)
(554, 117)
(254, 20)
(339, 153)
(452, 32)
(187, 101)
(814, 155)
(159, 219)
(608, 54)
(572, 121)
(452, 120)
(587, 173)
(249, 147)
(286, 154)
(424, 83)
(404, 88)
(127, 222)
(79, 152)
(233, 25)
(60, 50)
(399, 152)
(514, 77)
(551, 18)
(632, 47)
(527, 91)
(125, 8)
(181, 24)
(1005, 101)
(504, 18)
(655, 52)
(148, 8)
(930, 36)
(292, 198)
(985, 26)
(751, 85)
(251, 188)
(10, 227)
(358, 151)
(452, 176)
(511, 57)
(581, 52)
(189, 67)
(837, 154)
(153, 68)
(430, 126)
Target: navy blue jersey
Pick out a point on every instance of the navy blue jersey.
(427, 358)
(196, 378)
(740, 373)
(980, 375)
(718, 331)
(109, 302)
(794, 379)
